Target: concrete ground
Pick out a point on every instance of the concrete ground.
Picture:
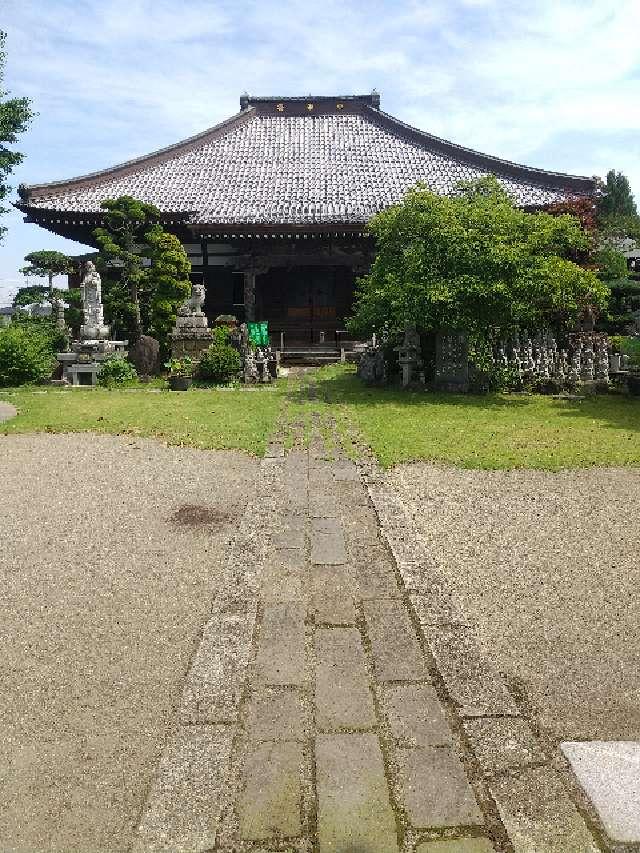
(110, 554)
(548, 566)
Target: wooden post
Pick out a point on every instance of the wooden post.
(250, 295)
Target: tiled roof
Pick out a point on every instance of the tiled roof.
(298, 161)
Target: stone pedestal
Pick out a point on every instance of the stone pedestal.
(191, 335)
(83, 364)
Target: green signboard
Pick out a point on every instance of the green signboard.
(259, 334)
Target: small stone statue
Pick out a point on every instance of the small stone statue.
(93, 327)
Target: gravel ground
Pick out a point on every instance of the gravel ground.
(549, 566)
(104, 595)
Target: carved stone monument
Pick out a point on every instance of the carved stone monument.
(372, 367)
(82, 365)
(452, 362)
(191, 335)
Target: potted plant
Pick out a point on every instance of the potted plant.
(180, 373)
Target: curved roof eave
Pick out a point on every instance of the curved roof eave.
(27, 190)
(581, 183)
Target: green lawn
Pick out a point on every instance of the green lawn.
(494, 431)
(219, 418)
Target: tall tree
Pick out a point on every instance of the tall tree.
(15, 115)
(121, 241)
(475, 263)
(168, 279)
(617, 199)
(153, 268)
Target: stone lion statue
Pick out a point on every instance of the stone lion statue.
(194, 303)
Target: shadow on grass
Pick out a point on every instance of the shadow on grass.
(615, 411)
(344, 387)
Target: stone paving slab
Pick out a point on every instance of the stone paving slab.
(346, 471)
(538, 813)
(284, 576)
(609, 772)
(281, 651)
(185, 803)
(323, 504)
(332, 593)
(459, 845)
(354, 811)
(326, 525)
(435, 790)
(271, 796)
(277, 715)
(416, 716)
(342, 694)
(397, 655)
(328, 549)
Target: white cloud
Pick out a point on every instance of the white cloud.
(555, 82)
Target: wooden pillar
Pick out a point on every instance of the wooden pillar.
(250, 295)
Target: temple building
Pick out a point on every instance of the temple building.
(272, 203)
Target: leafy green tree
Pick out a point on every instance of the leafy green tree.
(121, 243)
(167, 279)
(617, 199)
(15, 116)
(475, 263)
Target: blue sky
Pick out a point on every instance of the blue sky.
(550, 83)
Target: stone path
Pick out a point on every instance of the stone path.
(335, 702)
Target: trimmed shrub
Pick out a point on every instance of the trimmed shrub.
(116, 371)
(220, 363)
(26, 353)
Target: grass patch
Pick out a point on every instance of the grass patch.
(216, 418)
(494, 431)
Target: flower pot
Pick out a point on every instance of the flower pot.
(633, 384)
(179, 383)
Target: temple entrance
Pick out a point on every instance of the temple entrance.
(307, 304)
